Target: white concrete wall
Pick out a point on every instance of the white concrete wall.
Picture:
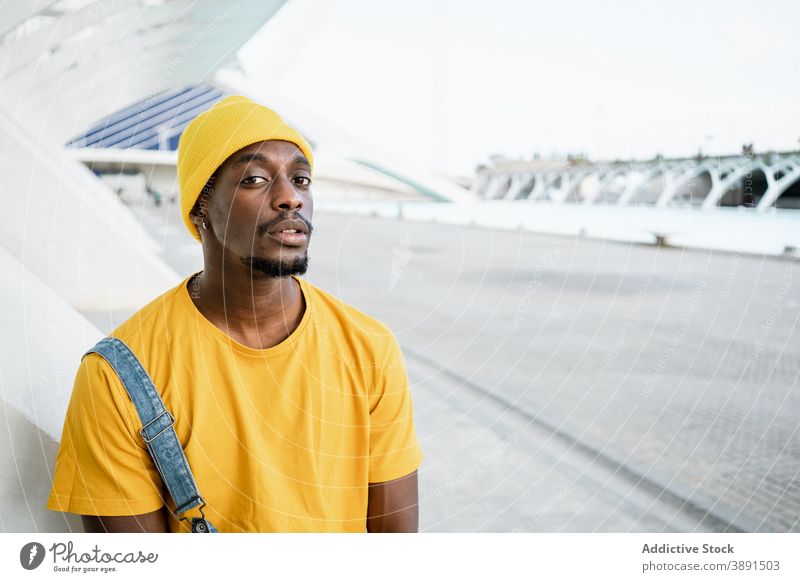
(70, 230)
(43, 339)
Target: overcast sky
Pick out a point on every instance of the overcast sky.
(447, 83)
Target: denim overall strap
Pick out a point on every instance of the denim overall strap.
(157, 431)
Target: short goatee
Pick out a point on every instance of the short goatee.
(277, 268)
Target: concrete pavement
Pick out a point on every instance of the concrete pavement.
(563, 384)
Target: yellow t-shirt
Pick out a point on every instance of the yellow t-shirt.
(280, 439)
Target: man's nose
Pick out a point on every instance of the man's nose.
(285, 196)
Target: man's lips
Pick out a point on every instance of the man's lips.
(289, 239)
(290, 232)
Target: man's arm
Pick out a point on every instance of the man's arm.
(100, 437)
(393, 506)
(153, 522)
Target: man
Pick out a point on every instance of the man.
(292, 407)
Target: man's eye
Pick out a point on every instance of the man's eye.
(304, 180)
(253, 180)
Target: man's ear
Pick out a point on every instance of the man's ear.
(196, 215)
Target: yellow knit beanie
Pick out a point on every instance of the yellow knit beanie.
(213, 136)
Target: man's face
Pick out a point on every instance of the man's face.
(254, 192)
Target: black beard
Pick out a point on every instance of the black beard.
(277, 268)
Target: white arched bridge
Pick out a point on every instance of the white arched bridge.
(760, 181)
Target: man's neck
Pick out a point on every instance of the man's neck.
(254, 309)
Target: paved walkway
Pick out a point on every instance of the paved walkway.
(564, 384)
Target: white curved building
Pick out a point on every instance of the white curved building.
(762, 181)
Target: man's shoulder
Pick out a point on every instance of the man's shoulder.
(353, 320)
(151, 317)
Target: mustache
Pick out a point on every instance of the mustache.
(264, 228)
